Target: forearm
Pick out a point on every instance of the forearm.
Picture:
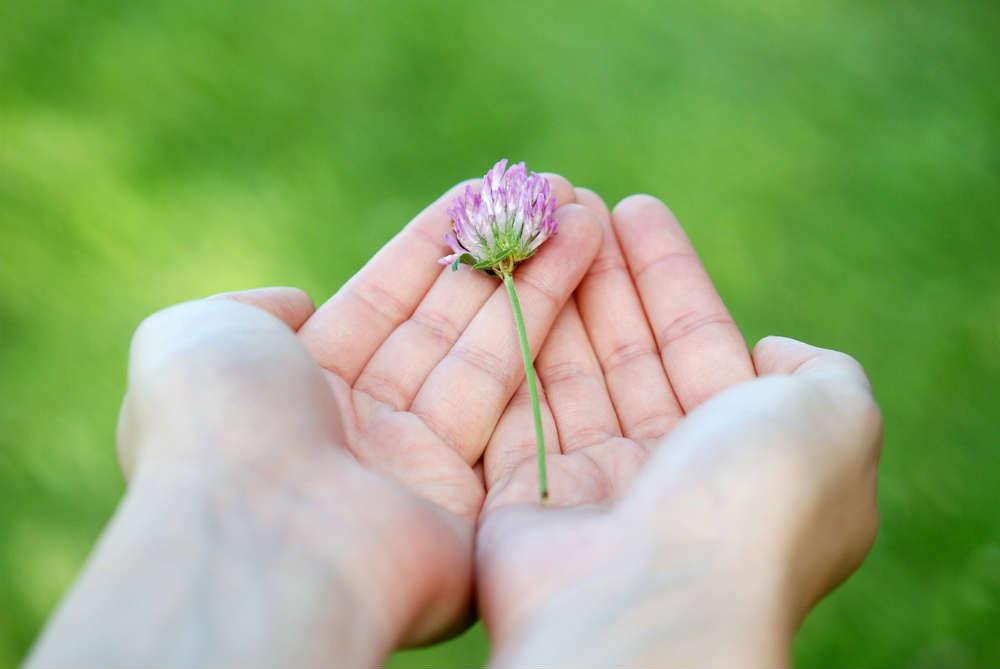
(185, 577)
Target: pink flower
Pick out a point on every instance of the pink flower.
(504, 223)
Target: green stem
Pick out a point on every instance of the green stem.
(529, 373)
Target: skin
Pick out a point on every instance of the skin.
(320, 487)
(302, 488)
(703, 498)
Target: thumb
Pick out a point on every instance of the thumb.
(290, 305)
(784, 356)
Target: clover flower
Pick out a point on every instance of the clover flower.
(504, 223)
(495, 229)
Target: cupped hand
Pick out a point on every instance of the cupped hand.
(422, 360)
(372, 410)
(702, 499)
(236, 454)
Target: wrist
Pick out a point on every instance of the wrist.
(719, 592)
(715, 609)
(658, 603)
(305, 541)
(401, 562)
(201, 564)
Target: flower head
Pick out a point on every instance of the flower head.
(504, 223)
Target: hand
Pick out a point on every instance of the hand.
(248, 535)
(757, 498)
(421, 362)
(301, 484)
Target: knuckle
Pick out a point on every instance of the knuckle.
(491, 365)
(662, 262)
(436, 325)
(544, 286)
(564, 371)
(380, 301)
(689, 323)
(624, 352)
(584, 436)
(610, 262)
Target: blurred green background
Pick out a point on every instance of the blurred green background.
(837, 164)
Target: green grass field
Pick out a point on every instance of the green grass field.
(837, 165)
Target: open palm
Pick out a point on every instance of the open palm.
(646, 340)
(422, 361)
(712, 495)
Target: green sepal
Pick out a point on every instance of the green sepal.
(464, 259)
(493, 261)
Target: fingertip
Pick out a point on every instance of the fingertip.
(437, 210)
(647, 232)
(783, 355)
(595, 203)
(561, 188)
(290, 305)
(641, 206)
(472, 182)
(580, 222)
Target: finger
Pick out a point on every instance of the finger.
(561, 188)
(290, 305)
(701, 347)
(807, 398)
(514, 440)
(845, 397)
(621, 338)
(584, 418)
(345, 331)
(574, 385)
(782, 355)
(401, 365)
(465, 394)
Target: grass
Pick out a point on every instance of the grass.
(835, 163)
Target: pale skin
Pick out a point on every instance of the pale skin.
(709, 496)
(318, 487)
